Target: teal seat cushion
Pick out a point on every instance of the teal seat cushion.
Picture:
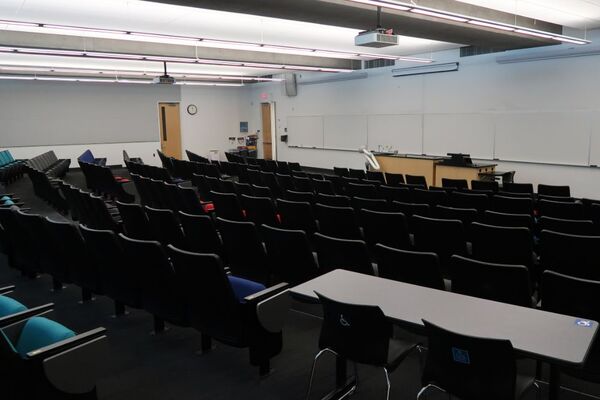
(10, 306)
(40, 332)
(244, 287)
(4, 198)
(9, 203)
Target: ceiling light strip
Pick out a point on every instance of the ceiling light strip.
(113, 72)
(208, 42)
(183, 60)
(99, 80)
(430, 12)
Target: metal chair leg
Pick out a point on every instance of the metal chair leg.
(312, 371)
(425, 388)
(387, 378)
(355, 377)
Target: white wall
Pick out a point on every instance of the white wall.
(36, 109)
(70, 117)
(220, 110)
(481, 88)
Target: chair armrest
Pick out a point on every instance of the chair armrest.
(7, 289)
(24, 315)
(268, 292)
(273, 311)
(76, 370)
(63, 345)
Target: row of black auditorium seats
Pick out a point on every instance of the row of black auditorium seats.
(382, 197)
(159, 194)
(49, 164)
(175, 286)
(151, 171)
(88, 157)
(507, 238)
(283, 167)
(10, 169)
(89, 209)
(287, 250)
(47, 188)
(41, 358)
(238, 243)
(101, 180)
(509, 187)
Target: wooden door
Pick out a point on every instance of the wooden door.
(170, 129)
(265, 109)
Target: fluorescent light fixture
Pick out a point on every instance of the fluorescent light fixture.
(142, 57)
(425, 69)
(20, 68)
(192, 83)
(387, 4)
(470, 20)
(532, 33)
(68, 79)
(203, 42)
(491, 25)
(436, 14)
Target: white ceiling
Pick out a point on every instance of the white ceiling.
(177, 20)
(580, 14)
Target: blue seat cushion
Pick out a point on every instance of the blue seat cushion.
(87, 157)
(244, 287)
(10, 306)
(4, 198)
(9, 203)
(40, 332)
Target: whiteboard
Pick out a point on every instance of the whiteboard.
(402, 133)
(305, 131)
(547, 137)
(345, 131)
(459, 133)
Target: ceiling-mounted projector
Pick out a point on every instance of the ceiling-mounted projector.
(379, 37)
(164, 79)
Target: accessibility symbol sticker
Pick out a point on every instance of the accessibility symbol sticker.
(585, 323)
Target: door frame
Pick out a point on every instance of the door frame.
(274, 144)
(159, 120)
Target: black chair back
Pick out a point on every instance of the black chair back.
(289, 254)
(499, 282)
(259, 210)
(470, 368)
(571, 226)
(201, 234)
(484, 185)
(414, 267)
(339, 222)
(561, 209)
(502, 245)
(359, 333)
(553, 190)
(296, 215)
(455, 183)
(567, 295)
(390, 229)
(510, 220)
(573, 255)
(346, 254)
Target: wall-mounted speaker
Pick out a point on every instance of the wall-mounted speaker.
(291, 86)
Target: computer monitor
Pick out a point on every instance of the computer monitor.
(459, 159)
